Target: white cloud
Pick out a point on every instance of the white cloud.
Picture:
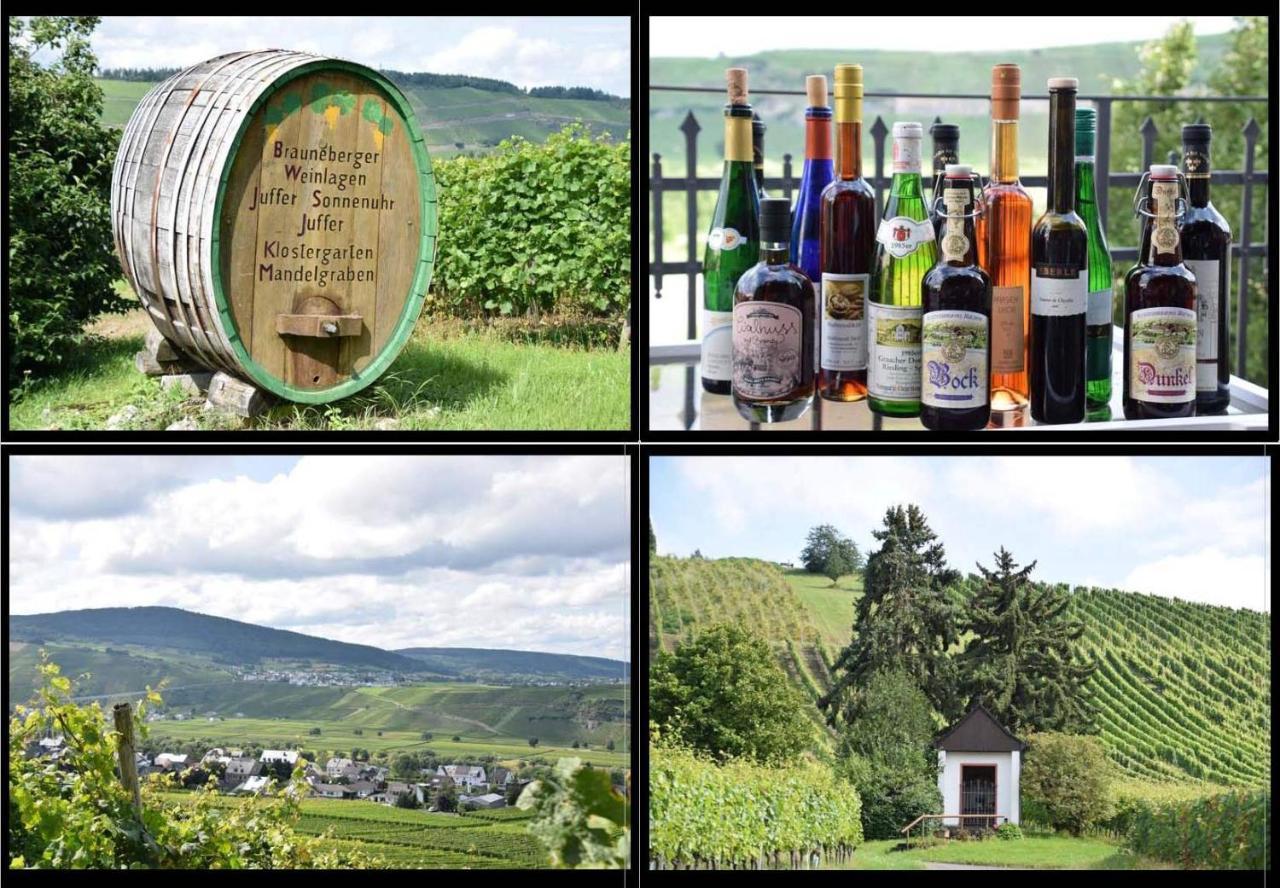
(1209, 575)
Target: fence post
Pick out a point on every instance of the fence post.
(657, 226)
(878, 132)
(1149, 132)
(1102, 161)
(690, 129)
(127, 750)
(1246, 235)
(786, 176)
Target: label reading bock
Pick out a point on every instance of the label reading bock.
(893, 366)
(902, 236)
(1162, 355)
(717, 344)
(844, 323)
(1206, 272)
(767, 342)
(954, 349)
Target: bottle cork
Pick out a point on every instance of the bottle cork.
(1006, 91)
(848, 93)
(737, 82)
(815, 87)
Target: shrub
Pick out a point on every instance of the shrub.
(1009, 831)
(1226, 831)
(536, 228)
(1066, 780)
(61, 262)
(579, 818)
(962, 834)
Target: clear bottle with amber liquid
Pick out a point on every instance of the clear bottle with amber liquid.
(1004, 252)
(773, 327)
(1160, 311)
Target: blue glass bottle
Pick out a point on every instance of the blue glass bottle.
(818, 172)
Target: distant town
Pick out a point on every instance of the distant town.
(367, 678)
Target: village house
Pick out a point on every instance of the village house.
(279, 755)
(331, 791)
(217, 754)
(502, 777)
(488, 800)
(470, 776)
(363, 788)
(252, 786)
(167, 761)
(238, 770)
(398, 788)
(335, 767)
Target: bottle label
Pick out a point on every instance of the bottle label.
(1195, 163)
(844, 322)
(1162, 355)
(1008, 342)
(737, 139)
(1206, 272)
(906, 155)
(1056, 295)
(1099, 308)
(717, 344)
(726, 240)
(902, 235)
(893, 365)
(953, 358)
(767, 349)
(1164, 238)
(955, 246)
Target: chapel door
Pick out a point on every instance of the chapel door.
(978, 796)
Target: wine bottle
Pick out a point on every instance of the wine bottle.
(1004, 252)
(806, 248)
(1098, 324)
(773, 327)
(946, 145)
(733, 243)
(1160, 314)
(847, 232)
(905, 251)
(1206, 251)
(956, 327)
(1059, 283)
(757, 151)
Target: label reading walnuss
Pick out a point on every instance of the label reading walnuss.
(767, 345)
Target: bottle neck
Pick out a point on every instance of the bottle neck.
(1004, 151)
(1084, 180)
(817, 134)
(959, 241)
(737, 134)
(774, 252)
(1166, 245)
(1062, 115)
(1195, 166)
(943, 154)
(849, 149)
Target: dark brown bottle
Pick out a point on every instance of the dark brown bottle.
(946, 144)
(773, 327)
(955, 366)
(1206, 251)
(1160, 313)
(1059, 276)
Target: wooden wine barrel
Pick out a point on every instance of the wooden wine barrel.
(276, 213)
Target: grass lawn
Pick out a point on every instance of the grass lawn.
(830, 607)
(445, 378)
(1033, 852)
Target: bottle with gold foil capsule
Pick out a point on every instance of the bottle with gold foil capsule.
(773, 327)
(733, 243)
(1160, 310)
(847, 236)
(955, 334)
(1004, 252)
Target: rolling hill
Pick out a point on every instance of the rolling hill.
(1183, 690)
(486, 664)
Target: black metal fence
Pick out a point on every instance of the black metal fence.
(690, 183)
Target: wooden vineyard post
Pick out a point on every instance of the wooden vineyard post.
(127, 750)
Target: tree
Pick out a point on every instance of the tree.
(653, 540)
(404, 765)
(575, 744)
(885, 752)
(823, 544)
(447, 799)
(314, 732)
(725, 694)
(61, 262)
(1066, 781)
(697, 553)
(1021, 663)
(512, 793)
(904, 620)
(427, 735)
(457, 739)
(407, 800)
(359, 732)
(609, 746)
(533, 741)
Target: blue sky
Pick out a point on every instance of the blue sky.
(1194, 528)
(524, 50)
(392, 551)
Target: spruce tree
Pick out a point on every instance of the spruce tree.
(904, 620)
(1020, 663)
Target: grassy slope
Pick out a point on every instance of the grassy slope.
(830, 606)
(444, 379)
(109, 673)
(447, 116)
(1034, 852)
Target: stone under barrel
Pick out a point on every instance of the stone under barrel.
(275, 211)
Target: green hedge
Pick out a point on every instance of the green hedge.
(738, 813)
(536, 228)
(1226, 831)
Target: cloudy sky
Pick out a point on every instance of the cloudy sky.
(526, 51)
(518, 552)
(707, 37)
(1195, 528)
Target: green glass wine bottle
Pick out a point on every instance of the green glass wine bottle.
(733, 245)
(1098, 325)
(905, 251)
